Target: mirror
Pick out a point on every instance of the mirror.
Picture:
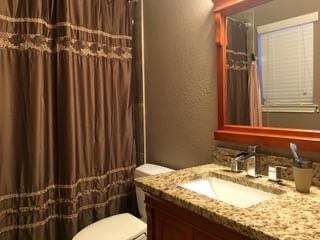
(273, 65)
(296, 82)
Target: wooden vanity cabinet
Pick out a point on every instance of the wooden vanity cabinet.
(167, 221)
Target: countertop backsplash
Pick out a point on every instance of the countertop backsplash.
(223, 156)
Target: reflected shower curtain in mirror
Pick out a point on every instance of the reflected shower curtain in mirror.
(237, 73)
(66, 110)
(255, 96)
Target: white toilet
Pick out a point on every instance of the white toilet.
(123, 226)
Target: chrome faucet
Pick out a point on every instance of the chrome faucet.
(249, 157)
(234, 164)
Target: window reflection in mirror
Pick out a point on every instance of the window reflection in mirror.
(273, 60)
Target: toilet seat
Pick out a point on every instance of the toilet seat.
(118, 227)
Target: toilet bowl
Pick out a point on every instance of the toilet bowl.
(111, 228)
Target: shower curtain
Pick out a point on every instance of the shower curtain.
(66, 111)
(237, 73)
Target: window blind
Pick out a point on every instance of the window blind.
(286, 65)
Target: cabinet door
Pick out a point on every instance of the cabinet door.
(167, 221)
(168, 228)
(204, 236)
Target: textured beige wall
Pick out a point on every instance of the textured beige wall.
(181, 101)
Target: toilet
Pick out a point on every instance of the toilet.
(112, 228)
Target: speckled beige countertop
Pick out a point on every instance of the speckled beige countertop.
(288, 216)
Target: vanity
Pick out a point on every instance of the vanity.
(176, 212)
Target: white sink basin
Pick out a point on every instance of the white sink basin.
(229, 192)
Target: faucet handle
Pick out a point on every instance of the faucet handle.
(274, 173)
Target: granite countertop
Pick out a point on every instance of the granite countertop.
(288, 216)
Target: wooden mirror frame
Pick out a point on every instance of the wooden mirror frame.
(307, 140)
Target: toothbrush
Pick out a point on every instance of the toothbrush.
(294, 150)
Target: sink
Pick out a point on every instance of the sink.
(228, 192)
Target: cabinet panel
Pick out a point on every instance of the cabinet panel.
(168, 228)
(204, 236)
(167, 221)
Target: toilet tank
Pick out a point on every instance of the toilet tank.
(142, 171)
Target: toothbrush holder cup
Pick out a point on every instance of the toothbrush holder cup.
(302, 179)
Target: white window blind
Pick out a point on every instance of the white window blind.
(286, 65)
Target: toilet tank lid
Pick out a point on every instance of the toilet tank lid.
(118, 227)
(151, 169)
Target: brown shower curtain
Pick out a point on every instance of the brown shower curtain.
(237, 73)
(66, 110)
